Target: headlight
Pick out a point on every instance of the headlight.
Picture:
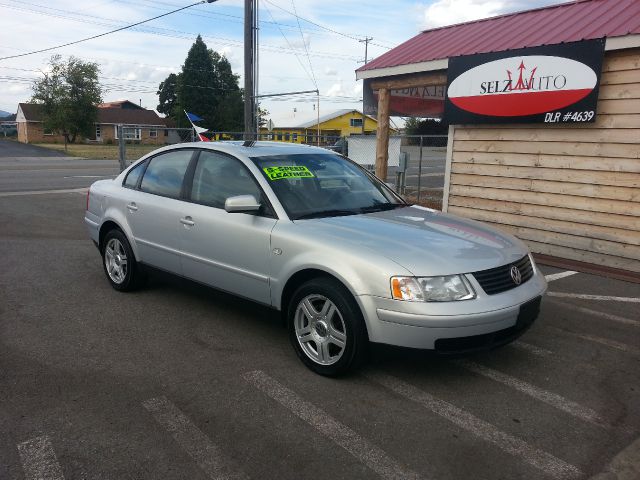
(431, 289)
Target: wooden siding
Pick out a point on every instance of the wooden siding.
(571, 190)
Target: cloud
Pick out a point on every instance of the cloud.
(449, 12)
(330, 71)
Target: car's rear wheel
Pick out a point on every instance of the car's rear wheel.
(326, 327)
(120, 266)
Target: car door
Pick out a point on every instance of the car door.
(229, 251)
(154, 210)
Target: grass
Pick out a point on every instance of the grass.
(100, 152)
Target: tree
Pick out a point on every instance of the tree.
(207, 87)
(69, 94)
(427, 126)
(167, 94)
(263, 113)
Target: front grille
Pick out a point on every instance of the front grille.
(498, 280)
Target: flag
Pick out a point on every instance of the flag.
(198, 130)
(193, 117)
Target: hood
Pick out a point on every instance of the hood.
(426, 242)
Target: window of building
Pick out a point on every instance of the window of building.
(98, 132)
(165, 173)
(286, 137)
(47, 131)
(355, 122)
(294, 137)
(130, 132)
(153, 133)
(280, 136)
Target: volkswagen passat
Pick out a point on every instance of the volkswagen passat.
(310, 233)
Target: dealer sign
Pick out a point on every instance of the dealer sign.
(549, 84)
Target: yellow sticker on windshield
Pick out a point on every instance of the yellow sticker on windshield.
(276, 173)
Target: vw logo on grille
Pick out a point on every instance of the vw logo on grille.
(516, 276)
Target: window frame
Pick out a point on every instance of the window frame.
(194, 155)
(268, 211)
(153, 133)
(131, 168)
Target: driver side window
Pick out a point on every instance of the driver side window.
(218, 177)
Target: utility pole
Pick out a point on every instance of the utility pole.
(250, 29)
(366, 41)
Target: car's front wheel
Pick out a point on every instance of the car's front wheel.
(120, 266)
(326, 327)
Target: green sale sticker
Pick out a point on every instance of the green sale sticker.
(276, 173)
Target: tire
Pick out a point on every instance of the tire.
(326, 327)
(119, 263)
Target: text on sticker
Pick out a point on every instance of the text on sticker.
(276, 173)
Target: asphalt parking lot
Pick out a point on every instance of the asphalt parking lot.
(178, 381)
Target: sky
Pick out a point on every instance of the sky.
(321, 49)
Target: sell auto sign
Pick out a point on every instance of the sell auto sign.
(552, 84)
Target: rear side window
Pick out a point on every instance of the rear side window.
(165, 173)
(134, 175)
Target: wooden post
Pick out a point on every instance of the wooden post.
(382, 140)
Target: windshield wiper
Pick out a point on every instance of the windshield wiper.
(380, 207)
(327, 213)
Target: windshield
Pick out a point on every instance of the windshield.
(323, 185)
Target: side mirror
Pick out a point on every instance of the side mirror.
(241, 204)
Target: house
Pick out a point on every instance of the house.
(144, 126)
(340, 123)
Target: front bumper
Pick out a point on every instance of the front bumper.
(485, 322)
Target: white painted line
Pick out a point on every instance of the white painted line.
(550, 398)
(593, 297)
(199, 447)
(43, 192)
(608, 343)
(370, 455)
(542, 352)
(595, 313)
(558, 276)
(38, 459)
(544, 461)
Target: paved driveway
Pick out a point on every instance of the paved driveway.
(13, 149)
(177, 381)
(25, 168)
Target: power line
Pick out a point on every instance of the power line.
(352, 37)
(295, 54)
(304, 43)
(105, 33)
(176, 33)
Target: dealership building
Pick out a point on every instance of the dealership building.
(544, 115)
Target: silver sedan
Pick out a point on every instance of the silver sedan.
(313, 235)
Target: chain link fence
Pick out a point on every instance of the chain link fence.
(416, 164)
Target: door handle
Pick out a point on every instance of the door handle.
(132, 206)
(187, 221)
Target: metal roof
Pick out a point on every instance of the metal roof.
(566, 22)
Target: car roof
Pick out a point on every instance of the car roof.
(259, 149)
